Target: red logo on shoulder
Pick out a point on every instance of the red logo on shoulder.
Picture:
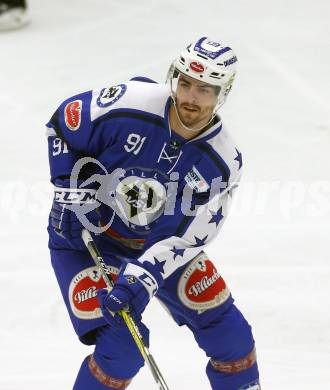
(197, 67)
(72, 115)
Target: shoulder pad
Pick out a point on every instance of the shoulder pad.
(73, 117)
(148, 97)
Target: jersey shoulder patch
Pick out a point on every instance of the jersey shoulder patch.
(146, 97)
(109, 96)
(72, 117)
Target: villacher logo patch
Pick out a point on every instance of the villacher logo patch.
(83, 292)
(201, 287)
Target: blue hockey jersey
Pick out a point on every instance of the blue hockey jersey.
(170, 196)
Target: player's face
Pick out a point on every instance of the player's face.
(195, 101)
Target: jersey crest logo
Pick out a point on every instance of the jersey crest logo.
(83, 292)
(109, 96)
(139, 199)
(72, 115)
(133, 195)
(201, 287)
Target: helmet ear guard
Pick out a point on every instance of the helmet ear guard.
(170, 73)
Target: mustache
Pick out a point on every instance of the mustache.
(192, 106)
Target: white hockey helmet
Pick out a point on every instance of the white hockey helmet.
(208, 61)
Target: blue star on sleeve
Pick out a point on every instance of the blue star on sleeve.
(159, 265)
(177, 252)
(199, 241)
(216, 218)
(238, 158)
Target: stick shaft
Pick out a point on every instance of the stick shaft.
(134, 330)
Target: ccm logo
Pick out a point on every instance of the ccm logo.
(78, 197)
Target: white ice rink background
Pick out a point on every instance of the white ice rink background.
(274, 248)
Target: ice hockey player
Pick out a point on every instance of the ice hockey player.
(150, 170)
(13, 14)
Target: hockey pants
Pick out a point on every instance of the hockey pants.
(219, 329)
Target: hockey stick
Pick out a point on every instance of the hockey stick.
(106, 274)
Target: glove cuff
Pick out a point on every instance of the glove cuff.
(148, 281)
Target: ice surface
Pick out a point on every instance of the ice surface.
(274, 247)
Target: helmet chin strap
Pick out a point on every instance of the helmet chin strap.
(216, 108)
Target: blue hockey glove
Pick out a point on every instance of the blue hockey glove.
(132, 290)
(72, 210)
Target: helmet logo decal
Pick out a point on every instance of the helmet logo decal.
(197, 67)
(210, 48)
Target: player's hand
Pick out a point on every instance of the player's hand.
(131, 291)
(68, 215)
